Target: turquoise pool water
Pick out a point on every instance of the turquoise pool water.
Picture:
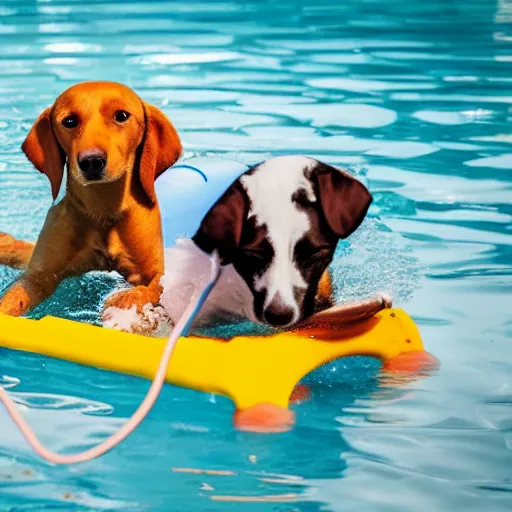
(415, 98)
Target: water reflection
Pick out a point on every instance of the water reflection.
(414, 98)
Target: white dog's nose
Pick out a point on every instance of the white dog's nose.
(278, 313)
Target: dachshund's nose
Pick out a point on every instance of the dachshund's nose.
(278, 313)
(92, 163)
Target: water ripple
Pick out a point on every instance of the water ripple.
(414, 98)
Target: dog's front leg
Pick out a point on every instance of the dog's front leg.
(59, 247)
(136, 245)
(28, 291)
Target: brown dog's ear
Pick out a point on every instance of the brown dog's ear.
(43, 150)
(221, 228)
(345, 200)
(161, 148)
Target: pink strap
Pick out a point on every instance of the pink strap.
(144, 408)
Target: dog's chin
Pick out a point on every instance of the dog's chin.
(280, 327)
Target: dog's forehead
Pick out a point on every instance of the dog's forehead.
(274, 212)
(278, 180)
(98, 95)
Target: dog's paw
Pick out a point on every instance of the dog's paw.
(136, 297)
(14, 253)
(151, 320)
(16, 301)
(12, 308)
(6, 240)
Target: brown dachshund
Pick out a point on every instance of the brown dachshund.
(113, 146)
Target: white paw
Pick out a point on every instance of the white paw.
(153, 320)
(119, 319)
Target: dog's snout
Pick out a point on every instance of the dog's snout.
(278, 313)
(92, 163)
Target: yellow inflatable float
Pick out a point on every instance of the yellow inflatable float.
(259, 373)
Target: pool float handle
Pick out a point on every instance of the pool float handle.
(138, 416)
(347, 313)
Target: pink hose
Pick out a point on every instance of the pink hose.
(181, 328)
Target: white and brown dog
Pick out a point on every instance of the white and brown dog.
(276, 229)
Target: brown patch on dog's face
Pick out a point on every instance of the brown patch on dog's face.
(311, 255)
(280, 230)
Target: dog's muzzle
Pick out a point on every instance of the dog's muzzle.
(92, 163)
(279, 314)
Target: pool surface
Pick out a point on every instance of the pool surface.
(415, 98)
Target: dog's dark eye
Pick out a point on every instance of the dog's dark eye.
(255, 253)
(322, 254)
(308, 253)
(121, 116)
(70, 121)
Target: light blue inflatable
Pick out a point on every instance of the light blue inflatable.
(189, 189)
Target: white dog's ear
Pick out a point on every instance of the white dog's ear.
(221, 228)
(345, 200)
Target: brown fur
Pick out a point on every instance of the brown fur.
(324, 295)
(14, 253)
(111, 224)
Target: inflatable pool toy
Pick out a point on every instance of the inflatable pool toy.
(259, 373)
(145, 406)
(253, 371)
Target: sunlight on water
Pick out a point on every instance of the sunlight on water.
(415, 99)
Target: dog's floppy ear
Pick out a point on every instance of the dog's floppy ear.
(345, 200)
(221, 228)
(161, 148)
(43, 150)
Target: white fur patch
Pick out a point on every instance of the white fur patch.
(120, 319)
(153, 320)
(270, 189)
(187, 270)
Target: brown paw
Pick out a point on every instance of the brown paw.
(8, 248)
(12, 309)
(15, 302)
(14, 253)
(6, 240)
(126, 299)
